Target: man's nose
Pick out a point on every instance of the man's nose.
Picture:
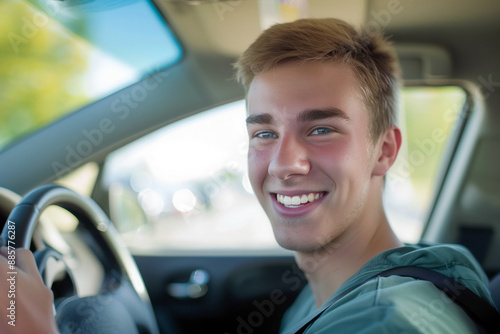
(290, 159)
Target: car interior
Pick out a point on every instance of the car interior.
(123, 152)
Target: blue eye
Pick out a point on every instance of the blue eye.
(321, 131)
(265, 134)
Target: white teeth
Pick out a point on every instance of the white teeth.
(287, 200)
(297, 201)
(304, 199)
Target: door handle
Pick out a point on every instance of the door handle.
(196, 287)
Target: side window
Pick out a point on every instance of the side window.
(430, 121)
(185, 187)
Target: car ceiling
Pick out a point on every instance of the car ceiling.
(230, 28)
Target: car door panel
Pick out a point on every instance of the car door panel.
(246, 294)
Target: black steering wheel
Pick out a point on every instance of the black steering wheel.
(122, 304)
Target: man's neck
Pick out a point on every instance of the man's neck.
(329, 267)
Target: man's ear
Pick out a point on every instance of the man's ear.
(387, 150)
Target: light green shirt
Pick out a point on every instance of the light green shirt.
(397, 304)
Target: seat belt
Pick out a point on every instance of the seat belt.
(484, 315)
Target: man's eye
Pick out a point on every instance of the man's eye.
(265, 134)
(321, 131)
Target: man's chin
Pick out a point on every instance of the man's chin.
(296, 244)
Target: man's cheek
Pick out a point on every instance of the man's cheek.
(258, 160)
(257, 168)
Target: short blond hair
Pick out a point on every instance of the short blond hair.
(368, 54)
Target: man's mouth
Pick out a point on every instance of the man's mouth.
(298, 200)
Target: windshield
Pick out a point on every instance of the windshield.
(56, 57)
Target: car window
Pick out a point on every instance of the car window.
(56, 56)
(185, 187)
(430, 121)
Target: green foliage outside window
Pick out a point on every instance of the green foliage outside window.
(41, 69)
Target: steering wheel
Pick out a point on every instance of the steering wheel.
(122, 304)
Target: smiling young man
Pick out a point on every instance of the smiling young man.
(321, 100)
(322, 104)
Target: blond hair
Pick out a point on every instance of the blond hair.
(369, 55)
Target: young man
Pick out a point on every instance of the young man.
(322, 104)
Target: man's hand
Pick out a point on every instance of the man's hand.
(25, 302)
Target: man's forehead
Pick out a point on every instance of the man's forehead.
(304, 92)
(303, 78)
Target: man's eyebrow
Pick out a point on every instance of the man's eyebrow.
(260, 119)
(309, 115)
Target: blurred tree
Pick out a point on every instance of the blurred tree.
(42, 66)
